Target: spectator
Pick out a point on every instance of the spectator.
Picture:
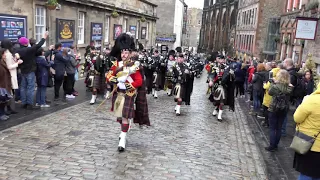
(307, 117)
(70, 70)
(257, 86)
(42, 78)
(60, 62)
(28, 68)
(5, 85)
(240, 74)
(280, 91)
(32, 41)
(12, 64)
(267, 98)
(309, 82)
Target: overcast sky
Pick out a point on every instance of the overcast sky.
(194, 3)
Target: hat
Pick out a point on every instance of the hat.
(24, 41)
(179, 49)
(172, 53)
(123, 42)
(221, 56)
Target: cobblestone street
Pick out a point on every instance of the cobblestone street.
(76, 143)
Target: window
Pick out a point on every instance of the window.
(40, 22)
(81, 20)
(106, 30)
(125, 25)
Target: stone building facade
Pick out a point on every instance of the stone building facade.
(258, 28)
(218, 26)
(81, 22)
(170, 25)
(193, 29)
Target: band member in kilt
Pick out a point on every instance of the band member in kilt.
(223, 78)
(161, 75)
(150, 67)
(180, 77)
(108, 61)
(155, 67)
(126, 79)
(169, 74)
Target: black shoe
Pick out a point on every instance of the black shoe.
(270, 149)
(31, 107)
(120, 149)
(220, 120)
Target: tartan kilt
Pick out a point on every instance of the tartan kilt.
(128, 107)
(141, 112)
(182, 92)
(99, 82)
(160, 80)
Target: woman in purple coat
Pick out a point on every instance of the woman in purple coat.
(42, 75)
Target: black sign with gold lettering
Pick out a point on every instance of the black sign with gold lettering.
(65, 30)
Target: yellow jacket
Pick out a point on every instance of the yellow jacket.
(267, 98)
(307, 117)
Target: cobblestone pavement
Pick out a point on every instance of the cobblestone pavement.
(75, 143)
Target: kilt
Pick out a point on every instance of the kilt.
(128, 107)
(181, 93)
(160, 80)
(141, 112)
(99, 82)
(169, 84)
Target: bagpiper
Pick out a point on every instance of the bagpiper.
(181, 75)
(169, 73)
(108, 61)
(160, 74)
(126, 78)
(222, 85)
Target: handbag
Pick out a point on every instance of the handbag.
(302, 143)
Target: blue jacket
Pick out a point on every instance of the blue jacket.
(60, 63)
(42, 72)
(240, 73)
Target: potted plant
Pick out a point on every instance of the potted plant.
(143, 19)
(277, 39)
(52, 4)
(313, 6)
(114, 13)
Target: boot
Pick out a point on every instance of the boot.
(169, 92)
(155, 94)
(122, 142)
(175, 108)
(215, 112)
(107, 95)
(220, 115)
(93, 99)
(178, 110)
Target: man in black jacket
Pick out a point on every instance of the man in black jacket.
(28, 68)
(60, 61)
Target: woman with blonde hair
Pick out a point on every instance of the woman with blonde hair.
(280, 91)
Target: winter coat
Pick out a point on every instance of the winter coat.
(240, 74)
(267, 98)
(60, 63)
(42, 72)
(276, 89)
(12, 67)
(257, 81)
(5, 77)
(307, 117)
(251, 70)
(309, 86)
(71, 65)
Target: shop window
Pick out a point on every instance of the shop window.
(106, 31)
(40, 22)
(81, 20)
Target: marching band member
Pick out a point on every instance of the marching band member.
(108, 61)
(180, 76)
(161, 75)
(125, 76)
(223, 78)
(169, 74)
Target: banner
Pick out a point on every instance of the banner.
(12, 26)
(306, 28)
(143, 32)
(117, 31)
(96, 34)
(133, 31)
(65, 31)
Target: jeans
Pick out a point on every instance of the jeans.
(304, 177)
(17, 91)
(239, 88)
(284, 126)
(275, 124)
(2, 112)
(28, 82)
(58, 80)
(256, 101)
(68, 84)
(41, 95)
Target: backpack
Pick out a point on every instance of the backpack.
(300, 89)
(281, 102)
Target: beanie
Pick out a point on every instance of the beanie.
(24, 41)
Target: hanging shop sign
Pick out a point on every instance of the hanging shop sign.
(65, 31)
(117, 30)
(12, 26)
(133, 31)
(96, 34)
(143, 32)
(306, 28)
